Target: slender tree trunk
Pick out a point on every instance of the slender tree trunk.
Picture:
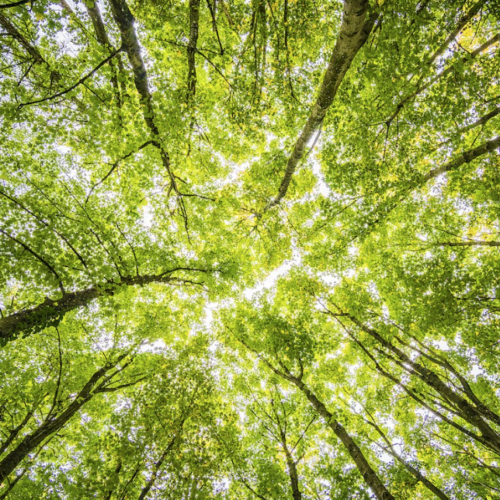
(292, 473)
(156, 469)
(32, 51)
(412, 470)
(194, 15)
(354, 32)
(420, 401)
(14, 432)
(466, 388)
(467, 411)
(117, 471)
(102, 37)
(369, 475)
(13, 483)
(32, 440)
(469, 244)
(125, 21)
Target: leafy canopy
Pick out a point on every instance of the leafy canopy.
(249, 249)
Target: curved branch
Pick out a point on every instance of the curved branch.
(48, 427)
(114, 166)
(432, 81)
(482, 121)
(16, 4)
(464, 20)
(14, 32)
(47, 225)
(465, 157)
(468, 243)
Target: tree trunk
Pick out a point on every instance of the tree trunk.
(369, 475)
(32, 440)
(194, 15)
(292, 473)
(354, 32)
(414, 472)
(468, 412)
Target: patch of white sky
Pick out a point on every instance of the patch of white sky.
(236, 170)
(321, 187)
(280, 272)
(63, 37)
(147, 216)
(157, 346)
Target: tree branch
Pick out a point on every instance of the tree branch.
(78, 83)
(16, 4)
(114, 166)
(50, 312)
(465, 157)
(194, 15)
(38, 257)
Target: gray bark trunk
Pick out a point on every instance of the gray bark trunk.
(353, 34)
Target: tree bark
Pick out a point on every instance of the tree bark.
(125, 21)
(414, 472)
(158, 464)
(469, 244)
(420, 401)
(292, 472)
(465, 157)
(354, 32)
(50, 312)
(369, 475)
(156, 469)
(102, 37)
(194, 15)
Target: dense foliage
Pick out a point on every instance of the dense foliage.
(250, 249)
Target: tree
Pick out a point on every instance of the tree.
(249, 249)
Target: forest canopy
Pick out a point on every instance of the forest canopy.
(250, 249)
